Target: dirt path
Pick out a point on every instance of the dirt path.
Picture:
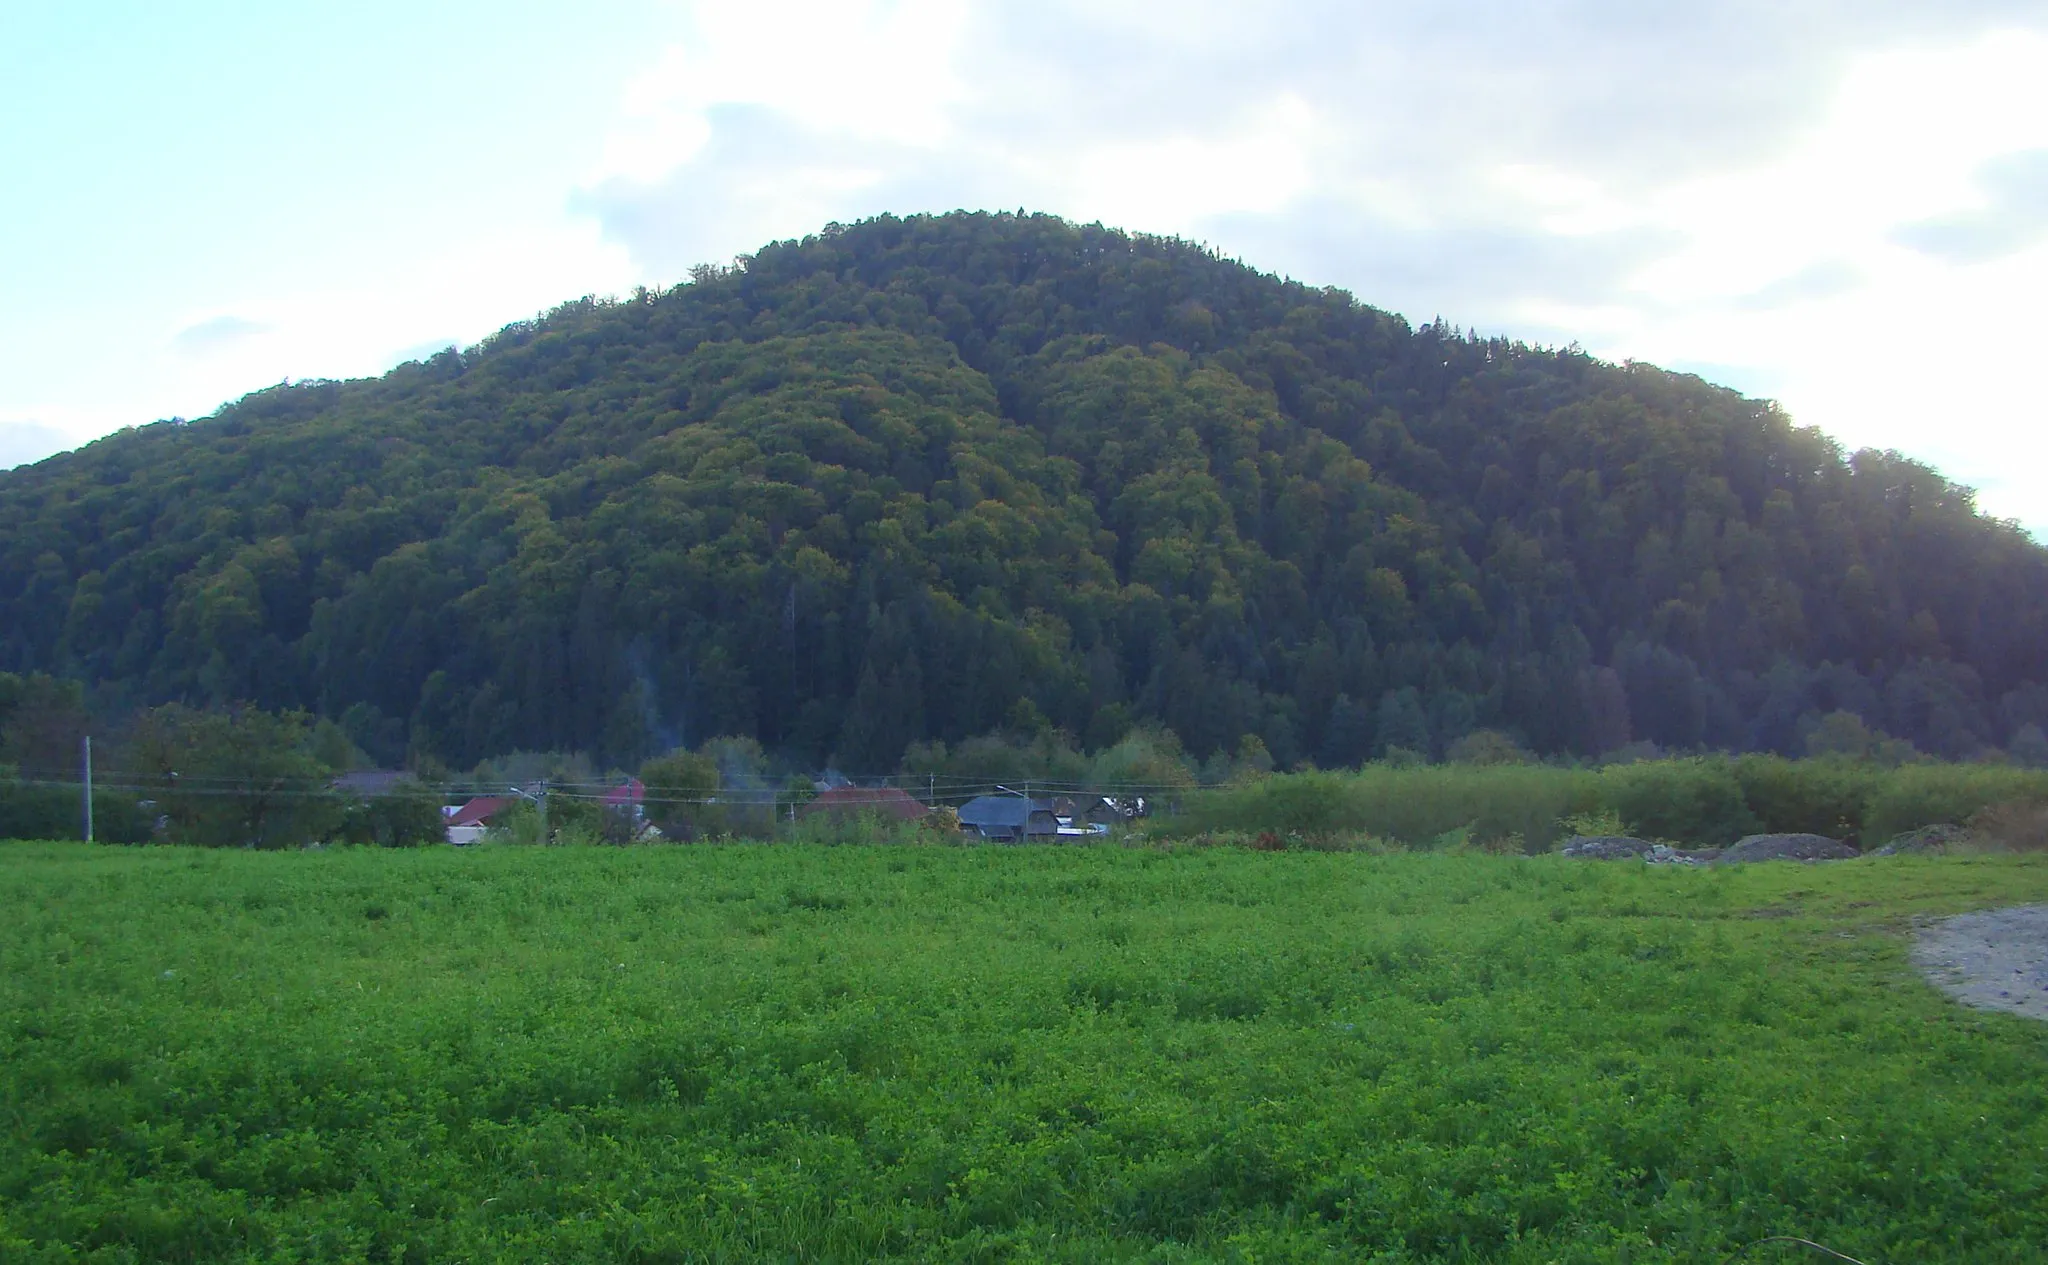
(1993, 960)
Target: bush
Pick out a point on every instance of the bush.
(680, 786)
(38, 812)
(406, 818)
(56, 812)
(855, 829)
(1416, 806)
(2019, 825)
(1820, 797)
(1933, 794)
(1698, 801)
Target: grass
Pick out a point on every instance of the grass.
(1066, 1054)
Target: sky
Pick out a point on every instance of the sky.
(1842, 206)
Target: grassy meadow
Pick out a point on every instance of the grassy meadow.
(940, 1053)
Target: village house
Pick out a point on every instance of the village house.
(466, 823)
(1009, 818)
(875, 801)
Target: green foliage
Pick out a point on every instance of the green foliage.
(1595, 822)
(1068, 1054)
(1417, 806)
(233, 777)
(1148, 757)
(1486, 746)
(1925, 795)
(1697, 802)
(29, 811)
(1845, 734)
(407, 817)
(679, 788)
(43, 722)
(1822, 797)
(1690, 801)
(837, 829)
(516, 824)
(917, 480)
(1004, 756)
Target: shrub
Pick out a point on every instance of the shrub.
(856, 829)
(1417, 806)
(2020, 825)
(1486, 746)
(1821, 797)
(1697, 801)
(406, 818)
(1933, 794)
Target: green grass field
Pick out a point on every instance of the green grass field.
(1085, 1054)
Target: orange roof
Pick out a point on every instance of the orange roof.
(883, 801)
(478, 811)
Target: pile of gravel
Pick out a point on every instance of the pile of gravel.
(1607, 847)
(1665, 854)
(1926, 841)
(1994, 960)
(1628, 848)
(1787, 848)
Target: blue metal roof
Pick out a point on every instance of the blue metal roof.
(1010, 811)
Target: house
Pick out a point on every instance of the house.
(1086, 811)
(628, 799)
(1009, 818)
(467, 823)
(877, 801)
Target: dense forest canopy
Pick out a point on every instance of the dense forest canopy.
(920, 479)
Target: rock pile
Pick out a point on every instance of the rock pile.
(1607, 847)
(1787, 848)
(1626, 848)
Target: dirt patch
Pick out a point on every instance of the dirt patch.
(1994, 960)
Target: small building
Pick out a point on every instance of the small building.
(876, 801)
(628, 799)
(467, 823)
(1086, 811)
(1009, 818)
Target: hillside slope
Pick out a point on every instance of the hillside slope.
(927, 477)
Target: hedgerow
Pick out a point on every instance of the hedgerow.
(1705, 801)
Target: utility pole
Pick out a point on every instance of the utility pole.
(543, 802)
(88, 788)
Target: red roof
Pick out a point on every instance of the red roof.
(633, 792)
(478, 811)
(883, 801)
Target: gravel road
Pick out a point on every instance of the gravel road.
(1993, 960)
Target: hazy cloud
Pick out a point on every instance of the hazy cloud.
(218, 334)
(1823, 280)
(2014, 215)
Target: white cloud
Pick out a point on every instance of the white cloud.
(866, 70)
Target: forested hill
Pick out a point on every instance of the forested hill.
(938, 476)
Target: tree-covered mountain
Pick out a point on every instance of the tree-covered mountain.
(925, 478)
